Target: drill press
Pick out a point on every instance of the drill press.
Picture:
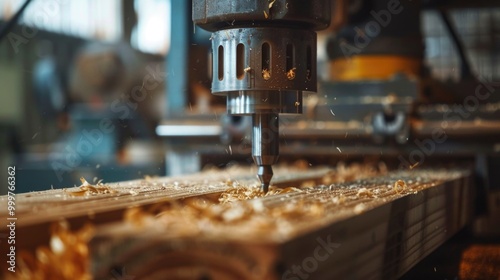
(264, 57)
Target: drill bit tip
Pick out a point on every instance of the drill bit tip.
(265, 174)
(264, 187)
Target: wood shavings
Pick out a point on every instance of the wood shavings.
(414, 165)
(87, 189)
(67, 256)
(247, 193)
(241, 193)
(364, 192)
(266, 74)
(265, 14)
(271, 3)
(339, 199)
(358, 209)
(243, 211)
(257, 206)
(149, 178)
(308, 184)
(136, 216)
(400, 186)
(133, 192)
(239, 210)
(233, 214)
(243, 208)
(291, 74)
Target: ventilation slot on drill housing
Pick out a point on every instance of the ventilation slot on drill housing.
(266, 61)
(290, 70)
(220, 63)
(308, 63)
(240, 61)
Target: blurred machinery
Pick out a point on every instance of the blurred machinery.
(377, 100)
(105, 112)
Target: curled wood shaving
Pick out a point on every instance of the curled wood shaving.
(266, 74)
(291, 74)
(400, 186)
(87, 189)
(271, 3)
(364, 192)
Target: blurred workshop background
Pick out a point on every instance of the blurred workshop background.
(68, 66)
(120, 89)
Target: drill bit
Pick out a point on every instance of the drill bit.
(265, 174)
(265, 146)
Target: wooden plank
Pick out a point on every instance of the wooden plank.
(368, 229)
(380, 231)
(51, 205)
(36, 211)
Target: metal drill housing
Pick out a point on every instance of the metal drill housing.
(264, 57)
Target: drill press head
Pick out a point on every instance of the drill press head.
(264, 57)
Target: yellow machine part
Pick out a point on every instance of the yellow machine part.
(373, 67)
